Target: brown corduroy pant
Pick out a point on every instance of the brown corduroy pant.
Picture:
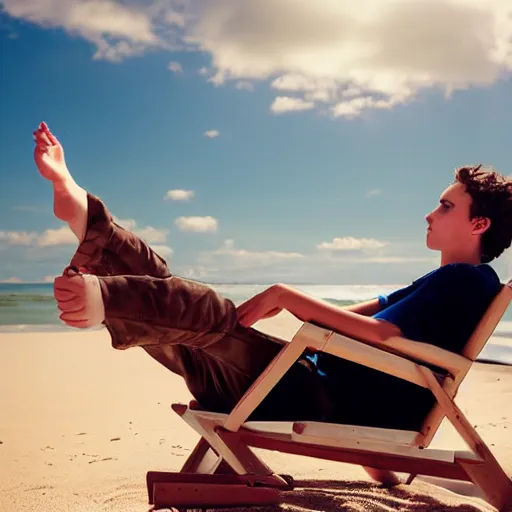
(187, 327)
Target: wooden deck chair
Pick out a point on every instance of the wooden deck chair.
(223, 471)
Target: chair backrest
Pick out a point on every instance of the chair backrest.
(486, 326)
(488, 323)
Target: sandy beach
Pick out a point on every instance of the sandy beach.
(81, 423)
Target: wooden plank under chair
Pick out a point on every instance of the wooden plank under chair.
(223, 471)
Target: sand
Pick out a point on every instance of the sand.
(81, 423)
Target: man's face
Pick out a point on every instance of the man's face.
(449, 225)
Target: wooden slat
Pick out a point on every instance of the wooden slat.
(335, 431)
(204, 424)
(361, 353)
(284, 443)
(309, 436)
(435, 416)
(190, 495)
(488, 323)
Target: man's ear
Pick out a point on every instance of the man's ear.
(481, 225)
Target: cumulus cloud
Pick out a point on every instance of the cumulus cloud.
(163, 250)
(344, 58)
(13, 279)
(350, 243)
(373, 192)
(179, 195)
(244, 85)
(211, 134)
(129, 224)
(18, 237)
(60, 236)
(175, 67)
(118, 30)
(231, 256)
(149, 234)
(287, 104)
(356, 56)
(197, 224)
(63, 236)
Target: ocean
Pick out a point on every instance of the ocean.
(30, 307)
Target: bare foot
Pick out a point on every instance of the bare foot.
(69, 200)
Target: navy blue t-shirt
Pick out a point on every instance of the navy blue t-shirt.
(442, 308)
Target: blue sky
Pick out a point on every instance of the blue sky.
(314, 136)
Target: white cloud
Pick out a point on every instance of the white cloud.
(163, 250)
(128, 224)
(197, 224)
(211, 133)
(118, 30)
(12, 279)
(244, 85)
(230, 256)
(64, 236)
(174, 18)
(152, 235)
(287, 104)
(344, 57)
(149, 234)
(18, 237)
(179, 195)
(350, 243)
(372, 54)
(48, 279)
(175, 67)
(60, 236)
(373, 192)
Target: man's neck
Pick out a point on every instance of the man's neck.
(474, 259)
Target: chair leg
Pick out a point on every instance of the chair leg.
(200, 457)
(493, 482)
(485, 473)
(410, 478)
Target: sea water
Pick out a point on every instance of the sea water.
(26, 307)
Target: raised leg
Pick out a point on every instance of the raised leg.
(105, 247)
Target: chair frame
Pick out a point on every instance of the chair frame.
(222, 470)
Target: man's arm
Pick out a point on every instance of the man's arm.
(349, 323)
(367, 308)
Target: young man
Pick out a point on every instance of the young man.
(191, 330)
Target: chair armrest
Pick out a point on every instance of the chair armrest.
(406, 349)
(430, 354)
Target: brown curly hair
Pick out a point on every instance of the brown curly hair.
(491, 197)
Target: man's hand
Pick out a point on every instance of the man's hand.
(79, 298)
(263, 305)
